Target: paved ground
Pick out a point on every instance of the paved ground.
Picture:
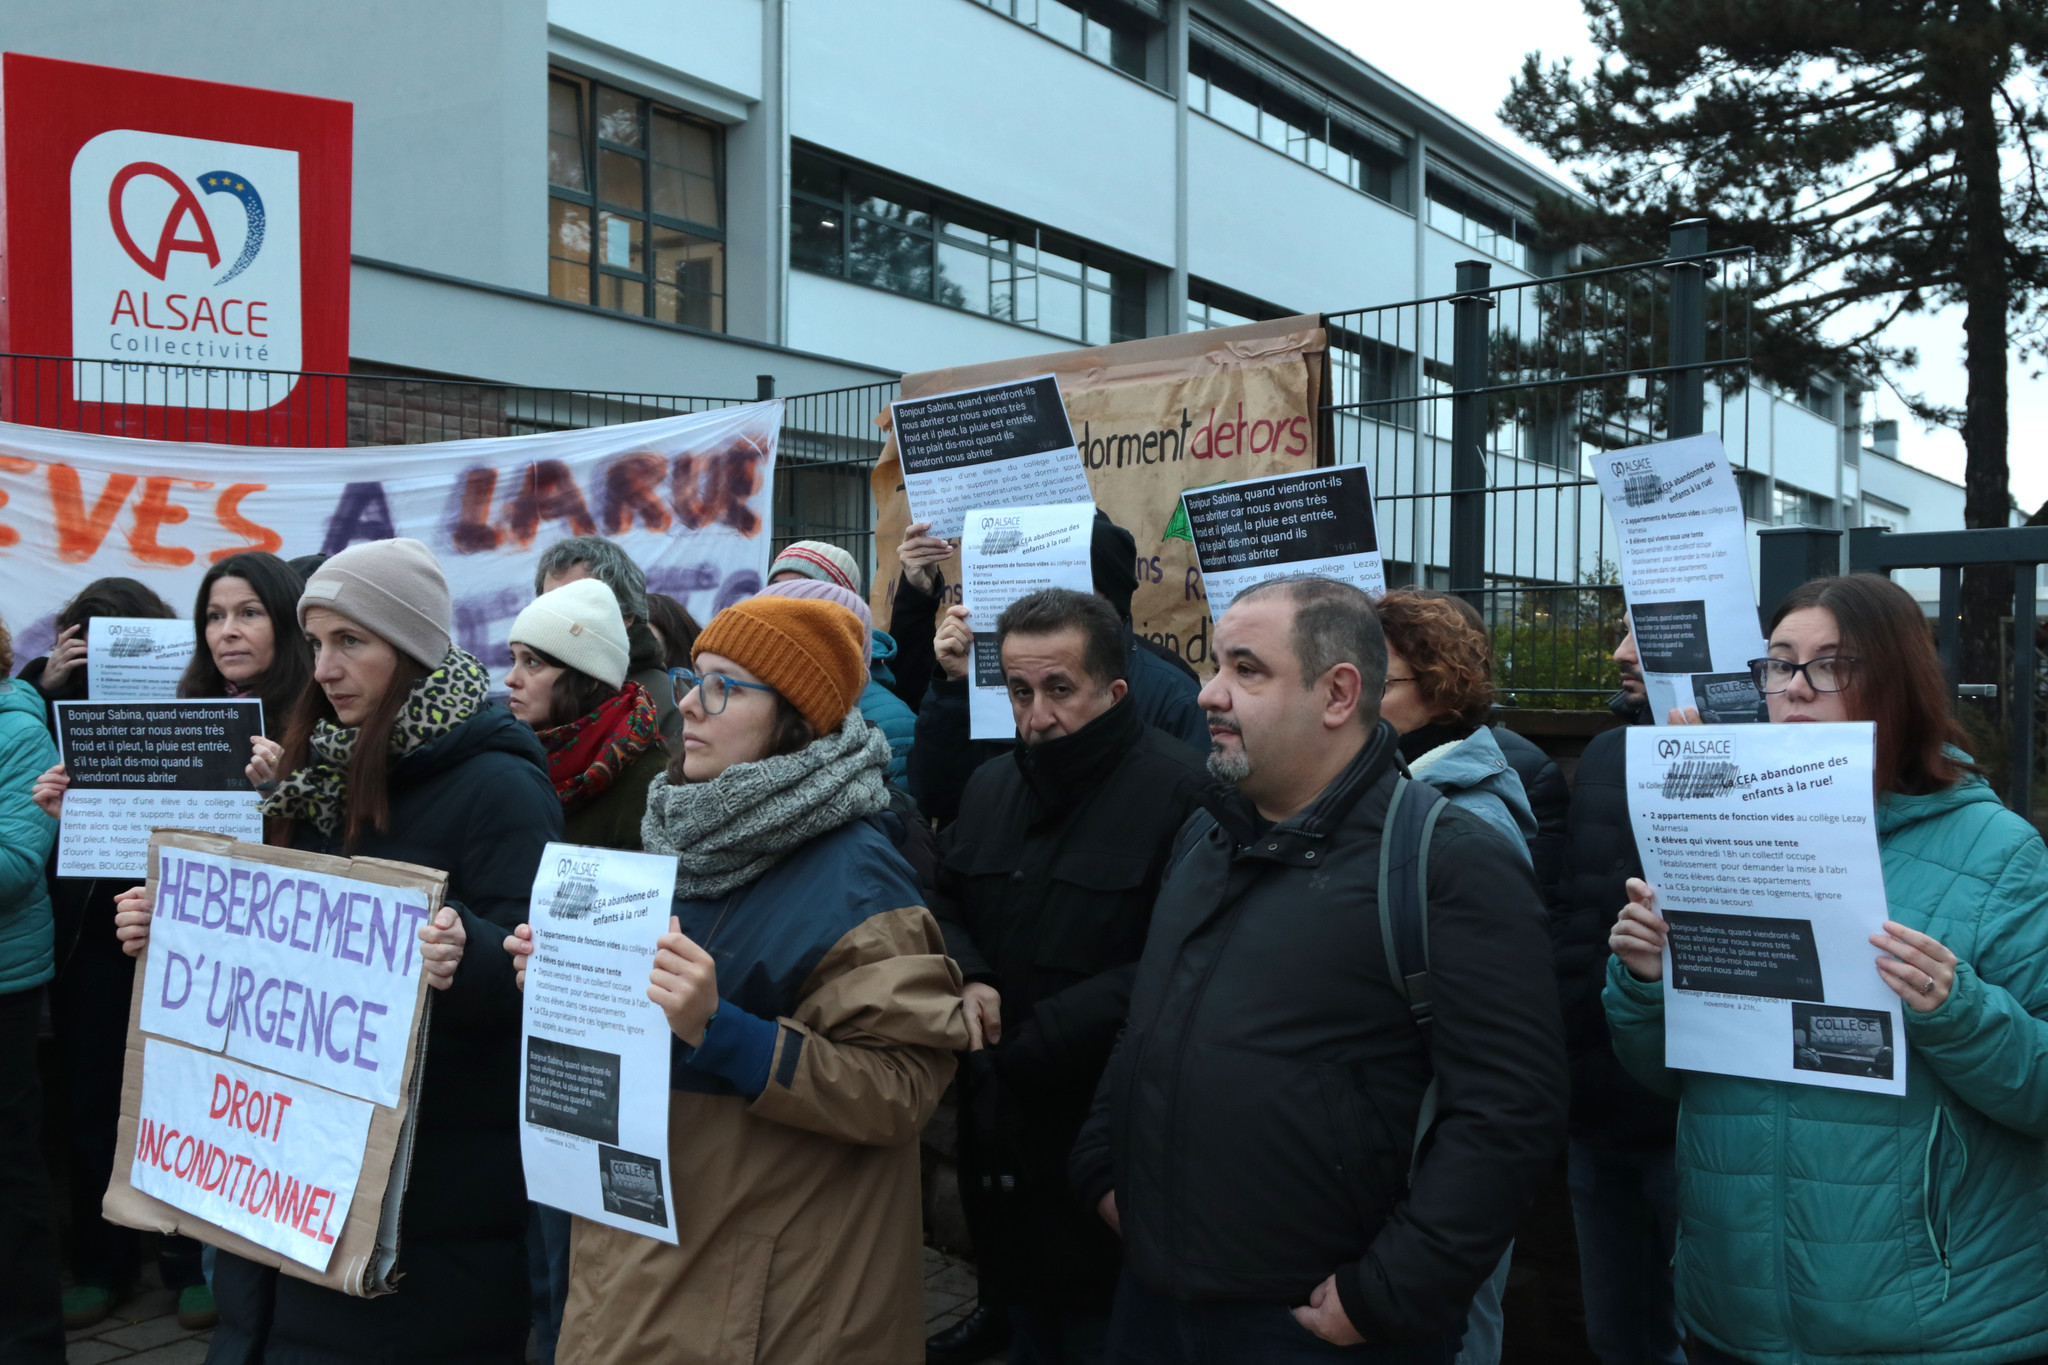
(145, 1331)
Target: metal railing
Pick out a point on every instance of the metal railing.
(1480, 411)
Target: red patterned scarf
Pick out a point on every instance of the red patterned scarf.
(587, 754)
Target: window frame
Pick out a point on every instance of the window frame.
(1028, 243)
(1119, 21)
(1270, 103)
(596, 207)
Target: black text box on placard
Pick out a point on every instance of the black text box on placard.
(1672, 636)
(1744, 955)
(957, 430)
(165, 745)
(572, 1089)
(1320, 514)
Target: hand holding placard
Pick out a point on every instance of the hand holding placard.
(1639, 933)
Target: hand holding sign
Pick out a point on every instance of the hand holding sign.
(684, 983)
(953, 643)
(67, 654)
(1920, 970)
(265, 757)
(48, 792)
(1639, 933)
(519, 943)
(132, 911)
(920, 554)
(442, 940)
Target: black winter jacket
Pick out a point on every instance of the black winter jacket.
(476, 803)
(1257, 1118)
(1608, 1107)
(1550, 800)
(943, 757)
(1046, 884)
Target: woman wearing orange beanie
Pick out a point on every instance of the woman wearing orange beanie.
(815, 1015)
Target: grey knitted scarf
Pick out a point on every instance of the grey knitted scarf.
(726, 832)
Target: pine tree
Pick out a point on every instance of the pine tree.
(1882, 156)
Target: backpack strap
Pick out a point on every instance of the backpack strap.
(1404, 917)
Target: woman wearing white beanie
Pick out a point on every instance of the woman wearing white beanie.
(568, 681)
(398, 753)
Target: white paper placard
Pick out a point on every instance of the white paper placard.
(136, 658)
(311, 975)
(1006, 445)
(268, 1157)
(1761, 844)
(1685, 568)
(594, 1079)
(1008, 553)
(140, 766)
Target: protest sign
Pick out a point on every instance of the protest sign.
(1685, 569)
(1005, 445)
(135, 658)
(1150, 418)
(593, 1090)
(1761, 844)
(1008, 553)
(1317, 522)
(687, 498)
(139, 766)
(280, 1153)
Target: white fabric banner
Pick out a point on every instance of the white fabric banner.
(687, 497)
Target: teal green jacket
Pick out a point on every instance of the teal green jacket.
(27, 954)
(1834, 1226)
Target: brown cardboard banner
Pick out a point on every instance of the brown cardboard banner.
(367, 1247)
(1151, 418)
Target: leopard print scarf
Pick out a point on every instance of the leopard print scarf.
(318, 790)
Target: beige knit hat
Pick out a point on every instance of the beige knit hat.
(578, 623)
(393, 589)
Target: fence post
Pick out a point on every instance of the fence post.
(764, 387)
(2020, 709)
(1468, 431)
(1688, 396)
(1790, 555)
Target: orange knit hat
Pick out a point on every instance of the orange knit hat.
(809, 651)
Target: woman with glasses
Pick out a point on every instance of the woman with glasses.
(815, 1015)
(1828, 1225)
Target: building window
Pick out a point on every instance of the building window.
(1503, 236)
(871, 229)
(636, 200)
(1211, 305)
(1104, 31)
(1818, 398)
(1294, 119)
(1797, 507)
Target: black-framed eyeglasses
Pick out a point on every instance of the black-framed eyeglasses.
(1831, 673)
(716, 688)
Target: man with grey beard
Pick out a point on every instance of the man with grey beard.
(1260, 1138)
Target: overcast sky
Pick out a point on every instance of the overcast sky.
(1462, 55)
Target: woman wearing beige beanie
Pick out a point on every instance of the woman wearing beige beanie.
(397, 753)
(815, 1015)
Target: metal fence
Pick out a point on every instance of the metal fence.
(1479, 413)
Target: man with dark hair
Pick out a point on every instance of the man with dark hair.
(1260, 1137)
(565, 561)
(1622, 1161)
(1162, 686)
(1045, 887)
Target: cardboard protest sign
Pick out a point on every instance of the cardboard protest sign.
(1150, 418)
(687, 498)
(1317, 522)
(288, 1141)
(136, 658)
(139, 766)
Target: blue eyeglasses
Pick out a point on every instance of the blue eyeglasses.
(715, 687)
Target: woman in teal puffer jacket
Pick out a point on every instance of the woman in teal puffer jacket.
(1823, 1225)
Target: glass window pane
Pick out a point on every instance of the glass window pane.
(618, 180)
(1198, 93)
(619, 242)
(1064, 265)
(963, 278)
(566, 143)
(1059, 307)
(1060, 22)
(881, 206)
(685, 171)
(1013, 295)
(1234, 111)
(1275, 132)
(689, 279)
(621, 296)
(1098, 317)
(568, 251)
(964, 232)
(814, 175)
(885, 256)
(814, 237)
(618, 116)
(1127, 53)
(1098, 277)
(1096, 38)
